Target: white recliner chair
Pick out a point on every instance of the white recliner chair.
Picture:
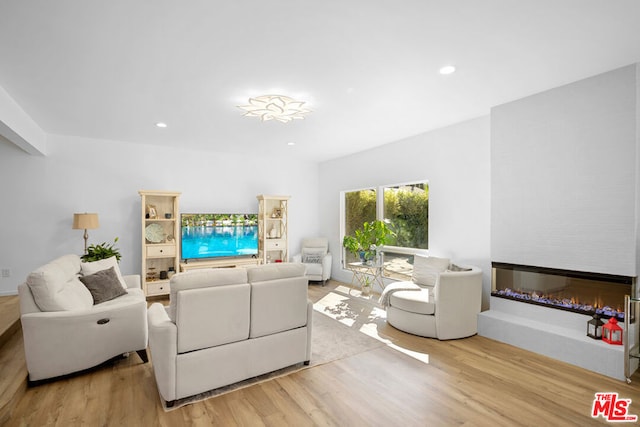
(65, 327)
(316, 257)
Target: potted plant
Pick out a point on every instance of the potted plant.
(102, 251)
(366, 241)
(367, 285)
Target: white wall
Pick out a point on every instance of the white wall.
(39, 194)
(455, 161)
(564, 176)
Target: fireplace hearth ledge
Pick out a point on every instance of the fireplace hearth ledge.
(553, 333)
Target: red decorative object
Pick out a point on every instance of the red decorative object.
(611, 332)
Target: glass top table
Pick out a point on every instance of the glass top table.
(364, 272)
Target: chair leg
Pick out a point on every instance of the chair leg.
(143, 355)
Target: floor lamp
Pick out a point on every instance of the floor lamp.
(86, 221)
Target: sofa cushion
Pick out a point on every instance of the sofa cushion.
(278, 298)
(56, 287)
(204, 278)
(103, 285)
(427, 268)
(419, 302)
(274, 271)
(93, 267)
(313, 269)
(212, 316)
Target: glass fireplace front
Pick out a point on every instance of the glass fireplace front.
(580, 292)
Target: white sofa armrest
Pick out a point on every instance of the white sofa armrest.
(132, 281)
(309, 329)
(163, 343)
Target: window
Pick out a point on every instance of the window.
(359, 207)
(405, 208)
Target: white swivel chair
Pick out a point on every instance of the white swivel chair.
(315, 255)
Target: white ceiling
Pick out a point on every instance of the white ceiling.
(367, 68)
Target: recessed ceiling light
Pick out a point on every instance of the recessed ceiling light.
(291, 144)
(275, 107)
(161, 125)
(447, 69)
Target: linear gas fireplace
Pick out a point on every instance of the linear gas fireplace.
(576, 291)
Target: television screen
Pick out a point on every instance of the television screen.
(213, 235)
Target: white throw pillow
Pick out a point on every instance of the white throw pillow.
(427, 268)
(89, 268)
(56, 287)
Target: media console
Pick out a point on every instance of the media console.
(219, 263)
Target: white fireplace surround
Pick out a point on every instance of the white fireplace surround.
(582, 217)
(555, 333)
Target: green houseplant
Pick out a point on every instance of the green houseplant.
(101, 251)
(365, 241)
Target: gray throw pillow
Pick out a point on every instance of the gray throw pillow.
(454, 267)
(312, 258)
(103, 285)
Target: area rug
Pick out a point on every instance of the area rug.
(331, 340)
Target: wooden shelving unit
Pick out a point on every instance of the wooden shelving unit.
(160, 240)
(273, 228)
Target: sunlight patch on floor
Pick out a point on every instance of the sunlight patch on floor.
(347, 306)
(422, 357)
(336, 306)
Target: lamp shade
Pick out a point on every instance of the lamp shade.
(87, 221)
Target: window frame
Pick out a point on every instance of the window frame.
(379, 216)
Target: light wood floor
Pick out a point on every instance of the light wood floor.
(9, 312)
(474, 381)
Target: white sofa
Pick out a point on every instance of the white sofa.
(226, 325)
(442, 301)
(316, 257)
(65, 332)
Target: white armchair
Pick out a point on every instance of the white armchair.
(442, 301)
(316, 258)
(65, 332)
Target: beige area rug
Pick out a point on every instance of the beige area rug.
(335, 335)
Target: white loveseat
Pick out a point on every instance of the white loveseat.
(226, 325)
(442, 301)
(65, 332)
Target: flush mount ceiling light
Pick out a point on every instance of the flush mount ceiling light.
(161, 125)
(448, 69)
(275, 107)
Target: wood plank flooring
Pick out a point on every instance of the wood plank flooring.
(9, 315)
(473, 382)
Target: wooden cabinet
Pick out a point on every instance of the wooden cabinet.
(160, 240)
(273, 228)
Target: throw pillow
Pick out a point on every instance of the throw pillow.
(312, 258)
(455, 267)
(427, 268)
(89, 268)
(103, 285)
